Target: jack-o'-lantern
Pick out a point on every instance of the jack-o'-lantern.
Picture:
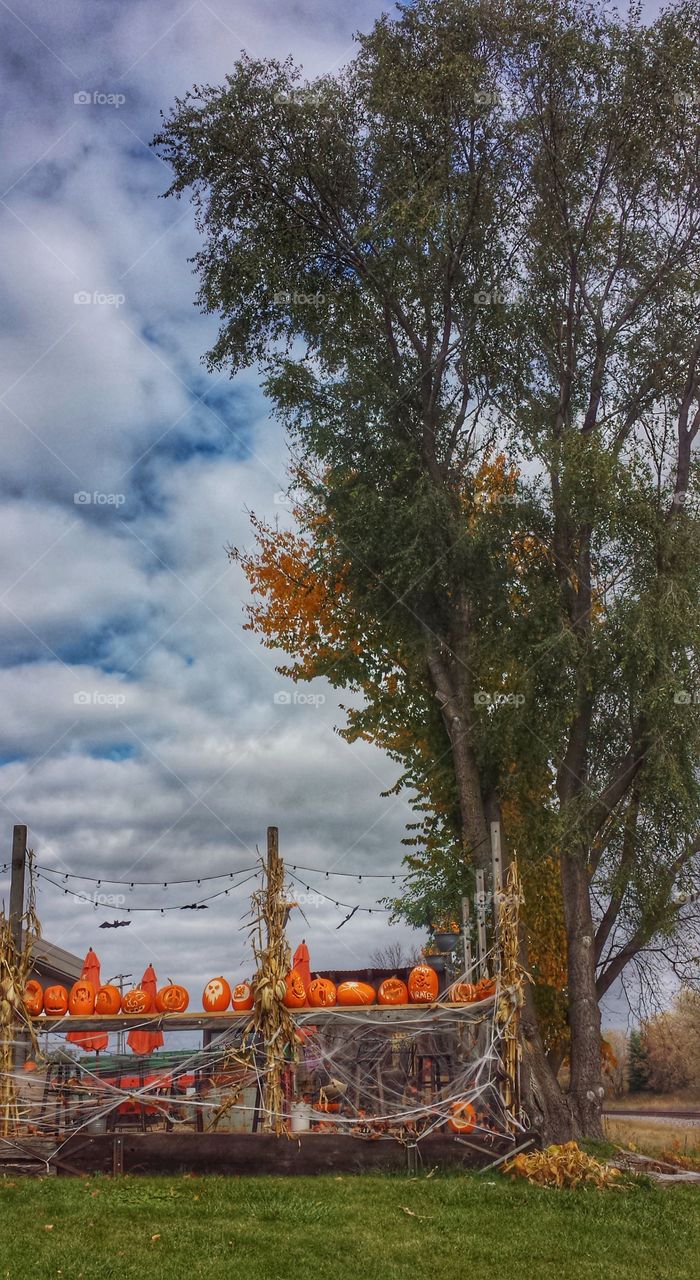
(33, 998)
(323, 993)
(137, 1001)
(295, 991)
(485, 988)
(172, 999)
(350, 993)
(55, 1002)
(216, 996)
(462, 1118)
(243, 998)
(81, 1001)
(423, 984)
(392, 991)
(463, 993)
(108, 1000)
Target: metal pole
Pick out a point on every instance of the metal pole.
(481, 923)
(466, 940)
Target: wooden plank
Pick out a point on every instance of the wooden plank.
(377, 1014)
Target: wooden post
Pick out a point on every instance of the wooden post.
(19, 866)
(466, 940)
(481, 923)
(497, 881)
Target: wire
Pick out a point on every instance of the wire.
(310, 889)
(188, 906)
(221, 875)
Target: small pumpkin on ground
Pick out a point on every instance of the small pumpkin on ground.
(172, 999)
(423, 984)
(137, 1001)
(323, 993)
(33, 998)
(108, 1000)
(462, 1117)
(216, 996)
(353, 993)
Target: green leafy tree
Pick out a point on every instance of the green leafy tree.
(484, 233)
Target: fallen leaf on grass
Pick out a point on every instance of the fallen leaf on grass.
(155, 1237)
(48, 1226)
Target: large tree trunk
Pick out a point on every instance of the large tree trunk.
(586, 1086)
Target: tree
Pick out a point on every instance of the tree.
(483, 233)
(638, 1069)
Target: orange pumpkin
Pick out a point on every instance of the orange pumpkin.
(81, 1001)
(295, 993)
(137, 1001)
(323, 993)
(485, 988)
(462, 1118)
(423, 984)
(108, 1000)
(243, 997)
(392, 991)
(172, 999)
(463, 993)
(33, 998)
(356, 993)
(216, 996)
(55, 1002)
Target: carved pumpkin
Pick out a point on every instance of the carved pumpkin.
(137, 1001)
(295, 993)
(172, 999)
(323, 993)
(33, 998)
(55, 1002)
(216, 996)
(108, 1000)
(463, 1118)
(463, 993)
(392, 991)
(485, 988)
(423, 984)
(243, 997)
(356, 993)
(81, 1000)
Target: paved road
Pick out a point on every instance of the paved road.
(690, 1117)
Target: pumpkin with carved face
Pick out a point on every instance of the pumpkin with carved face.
(323, 993)
(108, 1000)
(33, 998)
(462, 1118)
(463, 993)
(243, 998)
(172, 999)
(216, 996)
(137, 1001)
(485, 988)
(81, 1001)
(295, 993)
(350, 993)
(392, 991)
(55, 1002)
(423, 984)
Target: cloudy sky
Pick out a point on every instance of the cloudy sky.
(140, 735)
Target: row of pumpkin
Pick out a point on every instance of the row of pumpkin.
(321, 993)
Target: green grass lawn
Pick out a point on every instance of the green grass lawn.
(348, 1228)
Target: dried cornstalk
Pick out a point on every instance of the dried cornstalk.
(512, 977)
(270, 1019)
(15, 969)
